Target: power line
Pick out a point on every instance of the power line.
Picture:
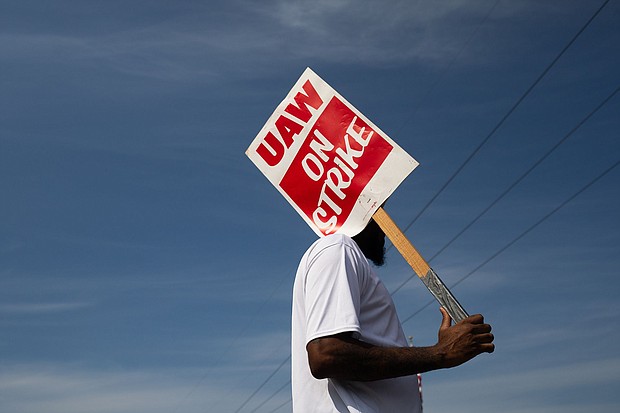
(501, 196)
(521, 235)
(507, 115)
(240, 334)
(469, 274)
(485, 262)
(476, 150)
(517, 181)
(282, 405)
(272, 396)
(262, 384)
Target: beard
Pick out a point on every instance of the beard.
(372, 243)
(376, 255)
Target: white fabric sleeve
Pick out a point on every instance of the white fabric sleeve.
(332, 293)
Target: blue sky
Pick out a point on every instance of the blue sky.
(146, 265)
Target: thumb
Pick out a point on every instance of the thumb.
(446, 322)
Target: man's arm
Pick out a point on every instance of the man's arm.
(343, 357)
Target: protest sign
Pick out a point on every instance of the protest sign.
(332, 164)
(336, 168)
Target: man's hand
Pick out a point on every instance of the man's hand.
(463, 341)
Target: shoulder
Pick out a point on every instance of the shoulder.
(332, 241)
(334, 248)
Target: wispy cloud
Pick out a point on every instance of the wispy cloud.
(368, 32)
(42, 307)
(70, 388)
(66, 389)
(185, 49)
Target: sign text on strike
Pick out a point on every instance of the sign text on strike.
(324, 178)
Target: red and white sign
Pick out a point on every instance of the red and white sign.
(327, 159)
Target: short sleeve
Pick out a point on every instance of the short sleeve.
(332, 293)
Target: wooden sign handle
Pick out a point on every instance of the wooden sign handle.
(420, 266)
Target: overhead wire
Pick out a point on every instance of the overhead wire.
(513, 241)
(521, 235)
(507, 115)
(467, 160)
(240, 334)
(282, 405)
(517, 181)
(271, 397)
(262, 384)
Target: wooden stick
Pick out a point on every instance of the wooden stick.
(432, 281)
(402, 244)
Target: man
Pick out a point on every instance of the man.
(349, 352)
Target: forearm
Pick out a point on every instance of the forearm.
(342, 357)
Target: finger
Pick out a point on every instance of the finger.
(481, 328)
(446, 321)
(487, 348)
(474, 319)
(484, 338)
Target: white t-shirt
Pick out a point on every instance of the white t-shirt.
(337, 291)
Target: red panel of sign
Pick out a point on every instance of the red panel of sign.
(334, 165)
